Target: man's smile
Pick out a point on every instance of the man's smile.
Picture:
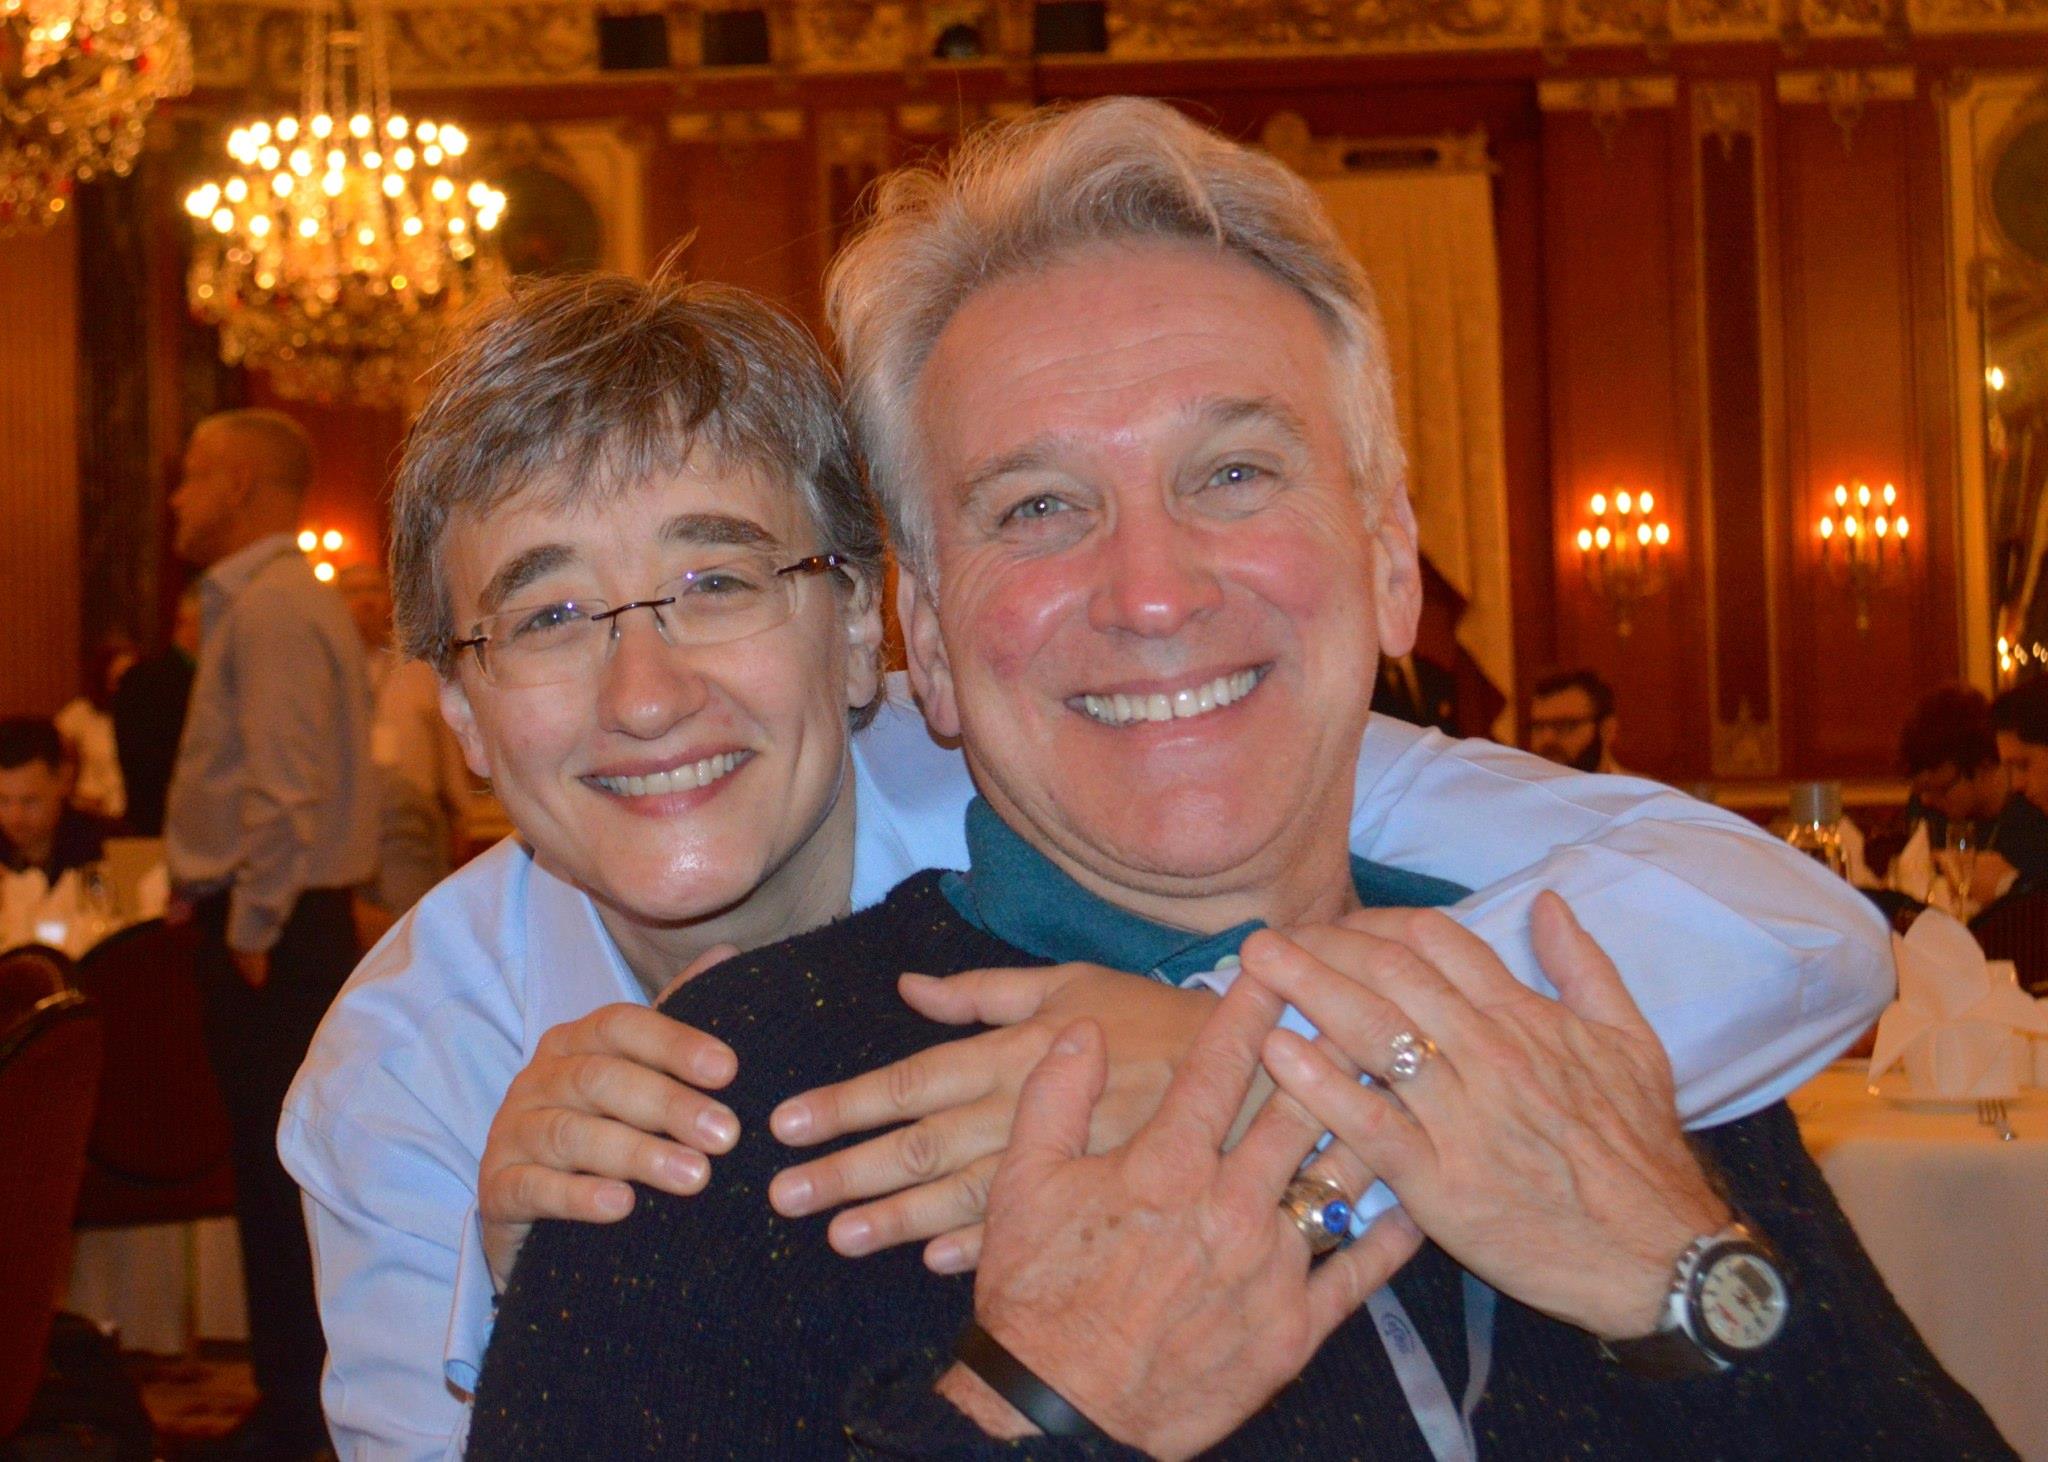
(1179, 704)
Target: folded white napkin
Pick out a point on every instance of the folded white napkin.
(1912, 871)
(1960, 1023)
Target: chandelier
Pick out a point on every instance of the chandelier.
(77, 78)
(345, 238)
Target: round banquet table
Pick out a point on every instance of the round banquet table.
(1956, 1221)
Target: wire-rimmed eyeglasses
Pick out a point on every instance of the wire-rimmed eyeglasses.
(570, 639)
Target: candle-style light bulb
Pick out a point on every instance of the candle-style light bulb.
(1598, 504)
(1623, 504)
(1585, 540)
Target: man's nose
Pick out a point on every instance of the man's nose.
(646, 685)
(1155, 575)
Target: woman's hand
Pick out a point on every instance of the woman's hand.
(1539, 1145)
(931, 1177)
(608, 1098)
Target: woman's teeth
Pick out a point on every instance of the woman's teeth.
(1123, 710)
(681, 779)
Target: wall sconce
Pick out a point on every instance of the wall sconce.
(1861, 539)
(1622, 553)
(312, 540)
(2013, 657)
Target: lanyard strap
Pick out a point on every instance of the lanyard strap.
(1448, 1430)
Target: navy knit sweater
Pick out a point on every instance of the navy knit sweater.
(713, 1327)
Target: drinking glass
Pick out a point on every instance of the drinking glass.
(1958, 858)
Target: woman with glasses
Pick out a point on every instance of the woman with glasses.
(631, 536)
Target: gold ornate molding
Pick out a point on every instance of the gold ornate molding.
(1286, 135)
(244, 43)
(1845, 93)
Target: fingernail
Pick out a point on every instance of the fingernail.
(1071, 1042)
(945, 1257)
(718, 1127)
(683, 1169)
(716, 1068)
(791, 1195)
(791, 1121)
(852, 1236)
(615, 1199)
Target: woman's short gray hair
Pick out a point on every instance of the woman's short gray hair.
(1020, 194)
(580, 387)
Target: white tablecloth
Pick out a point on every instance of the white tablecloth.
(163, 1285)
(1957, 1223)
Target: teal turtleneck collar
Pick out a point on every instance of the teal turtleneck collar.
(1016, 893)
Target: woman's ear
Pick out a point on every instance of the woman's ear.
(461, 718)
(931, 674)
(863, 616)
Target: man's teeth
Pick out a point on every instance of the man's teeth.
(681, 779)
(1122, 710)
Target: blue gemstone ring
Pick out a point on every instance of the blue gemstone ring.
(1321, 1211)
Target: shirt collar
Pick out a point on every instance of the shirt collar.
(1016, 893)
(233, 573)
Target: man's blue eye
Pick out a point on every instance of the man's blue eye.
(1033, 509)
(1237, 474)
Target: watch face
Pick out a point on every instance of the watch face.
(1741, 1301)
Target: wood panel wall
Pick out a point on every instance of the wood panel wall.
(39, 531)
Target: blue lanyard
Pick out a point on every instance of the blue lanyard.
(1447, 1429)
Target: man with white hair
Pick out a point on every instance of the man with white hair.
(1125, 399)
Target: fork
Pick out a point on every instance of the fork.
(1991, 1113)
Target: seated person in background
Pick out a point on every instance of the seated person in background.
(149, 717)
(39, 828)
(1151, 520)
(494, 1060)
(86, 723)
(1415, 689)
(2019, 717)
(1572, 721)
(1950, 750)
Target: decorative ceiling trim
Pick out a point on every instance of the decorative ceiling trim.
(246, 43)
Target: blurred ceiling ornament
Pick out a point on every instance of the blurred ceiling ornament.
(77, 80)
(345, 239)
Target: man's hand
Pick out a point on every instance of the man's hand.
(1160, 1288)
(253, 965)
(605, 1099)
(1540, 1147)
(959, 1098)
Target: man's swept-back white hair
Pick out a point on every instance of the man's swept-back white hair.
(1019, 195)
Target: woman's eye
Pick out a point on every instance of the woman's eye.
(547, 617)
(1035, 509)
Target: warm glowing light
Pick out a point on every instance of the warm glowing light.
(324, 572)
(1849, 527)
(1598, 504)
(1899, 528)
(1862, 494)
(1623, 503)
(1995, 379)
(308, 540)
(1827, 529)
(1891, 494)
(1663, 534)
(1841, 496)
(1602, 537)
(331, 540)
(1585, 540)
(1645, 502)
(1883, 525)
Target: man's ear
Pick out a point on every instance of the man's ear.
(461, 719)
(1396, 574)
(863, 615)
(931, 673)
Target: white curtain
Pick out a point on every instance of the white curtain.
(1426, 238)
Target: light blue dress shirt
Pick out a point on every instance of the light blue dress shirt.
(1752, 962)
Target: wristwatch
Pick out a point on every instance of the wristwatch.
(1728, 1301)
